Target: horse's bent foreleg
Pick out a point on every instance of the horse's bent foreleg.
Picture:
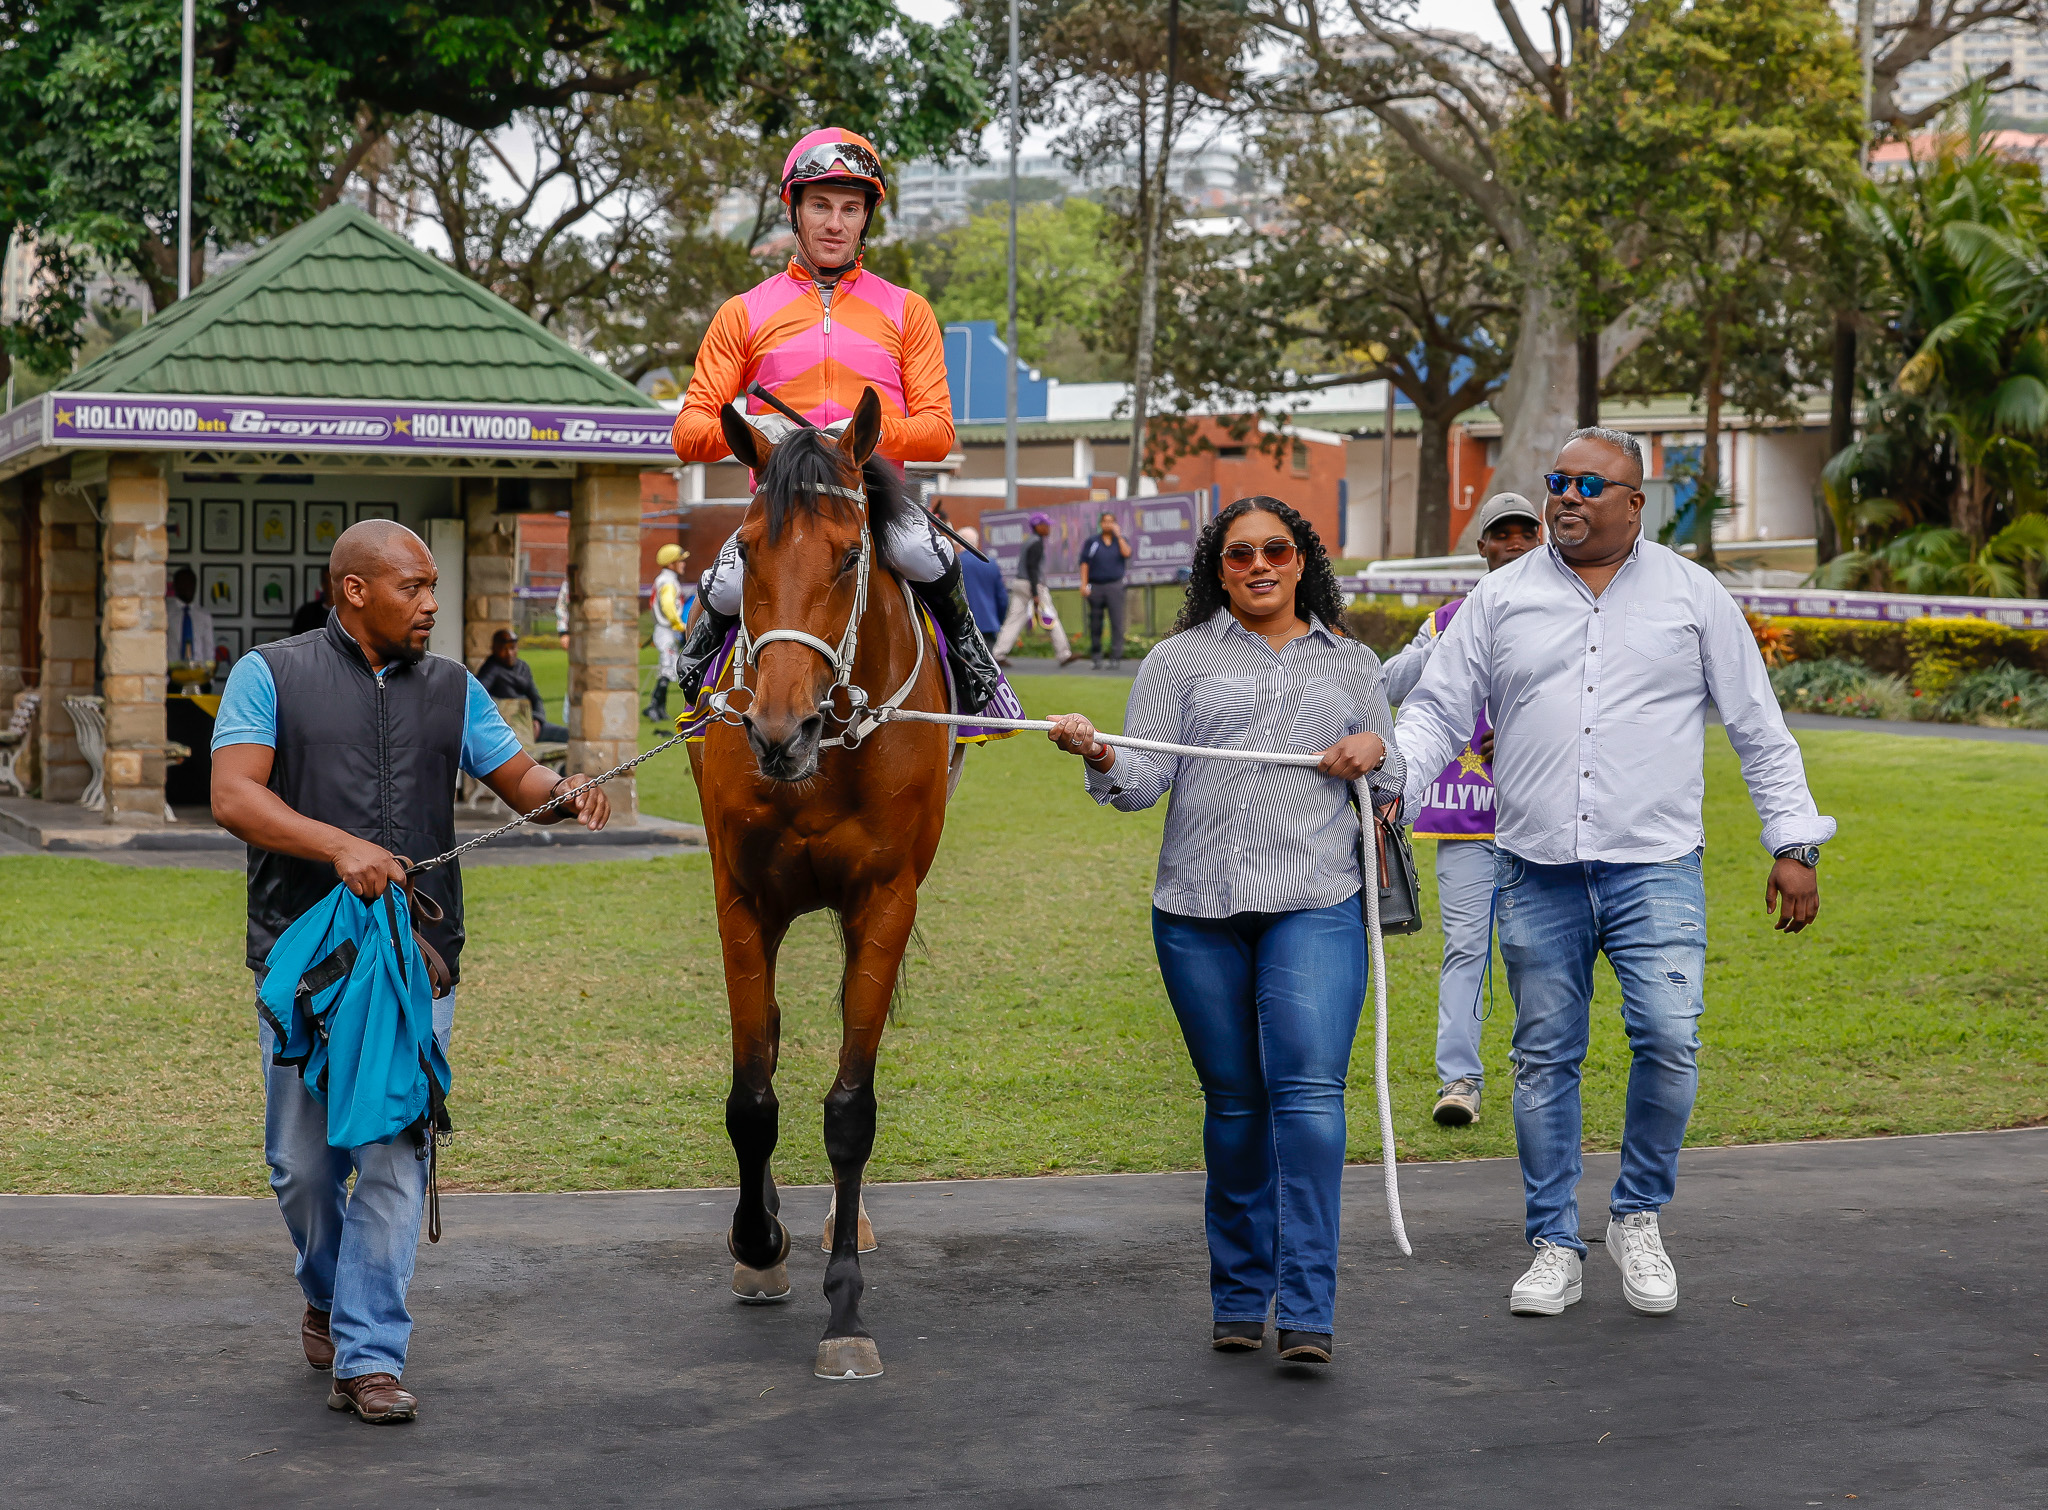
(877, 929)
(758, 1240)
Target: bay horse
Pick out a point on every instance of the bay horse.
(799, 819)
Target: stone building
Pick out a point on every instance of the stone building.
(340, 374)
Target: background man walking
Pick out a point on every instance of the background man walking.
(1598, 655)
(334, 756)
(1458, 812)
(1102, 588)
(1029, 595)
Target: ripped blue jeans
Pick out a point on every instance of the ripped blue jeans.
(1651, 923)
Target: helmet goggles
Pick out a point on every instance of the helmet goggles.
(847, 162)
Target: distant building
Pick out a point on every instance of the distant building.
(1889, 159)
(1971, 56)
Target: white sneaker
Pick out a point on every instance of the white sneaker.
(1648, 1281)
(1553, 1282)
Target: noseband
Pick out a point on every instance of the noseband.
(844, 703)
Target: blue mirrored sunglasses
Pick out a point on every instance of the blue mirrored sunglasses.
(1590, 486)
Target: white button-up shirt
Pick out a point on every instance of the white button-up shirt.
(1599, 707)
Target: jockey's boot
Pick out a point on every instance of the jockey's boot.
(707, 634)
(975, 676)
(657, 705)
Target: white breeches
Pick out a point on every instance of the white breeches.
(667, 642)
(912, 548)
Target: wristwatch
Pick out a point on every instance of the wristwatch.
(1806, 854)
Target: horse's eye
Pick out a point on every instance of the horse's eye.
(851, 560)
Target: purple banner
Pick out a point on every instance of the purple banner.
(103, 420)
(1784, 602)
(21, 428)
(1161, 531)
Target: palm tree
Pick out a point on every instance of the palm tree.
(1965, 240)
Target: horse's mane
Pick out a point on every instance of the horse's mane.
(811, 459)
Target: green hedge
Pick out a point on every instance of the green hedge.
(1931, 654)
(1386, 627)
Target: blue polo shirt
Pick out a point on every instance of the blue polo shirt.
(1104, 561)
(248, 716)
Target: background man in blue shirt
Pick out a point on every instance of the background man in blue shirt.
(1102, 587)
(335, 755)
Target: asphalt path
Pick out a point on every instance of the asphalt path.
(1858, 1319)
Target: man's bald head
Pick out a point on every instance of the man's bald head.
(384, 578)
(375, 548)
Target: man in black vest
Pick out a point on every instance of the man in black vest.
(335, 755)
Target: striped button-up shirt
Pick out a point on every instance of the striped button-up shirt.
(1599, 708)
(1242, 837)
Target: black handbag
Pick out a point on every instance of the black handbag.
(1400, 894)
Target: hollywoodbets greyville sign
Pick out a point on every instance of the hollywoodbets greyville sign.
(106, 421)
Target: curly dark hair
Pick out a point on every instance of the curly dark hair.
(1316, 593)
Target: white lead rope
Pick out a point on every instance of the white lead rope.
(1370, 851)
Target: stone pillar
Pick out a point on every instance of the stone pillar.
(132, 633)
(490, 567)
(604, 626)
(14, 550)
(70, 630)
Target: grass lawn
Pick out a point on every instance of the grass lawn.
(591, 1044)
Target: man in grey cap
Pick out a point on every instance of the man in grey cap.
(1458, 813)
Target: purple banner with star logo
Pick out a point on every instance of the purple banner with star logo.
(108, 420)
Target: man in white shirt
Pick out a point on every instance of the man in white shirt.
(1596, 657)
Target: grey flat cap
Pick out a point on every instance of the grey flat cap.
(1506, 506)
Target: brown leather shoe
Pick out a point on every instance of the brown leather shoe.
(316, 1339)
(374, 1397)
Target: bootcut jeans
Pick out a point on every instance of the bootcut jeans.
(355, 1247)
(1651, 922)
(1269, 1003)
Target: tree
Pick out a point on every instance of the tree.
(1066, 276)
(1953, 435)
(1370, 272)
(1126, 82)
(1730, 127)
(1459, 103)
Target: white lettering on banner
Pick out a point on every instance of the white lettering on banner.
(1007, 534)
(337, 427)
(1147, 551)
(137, 419)
(1161, 520)
(1478, 799)
(587, 431)
(471, 427)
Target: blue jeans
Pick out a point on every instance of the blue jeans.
(356, 1247)
(1464, 903)
(1268, 1003)
(1651, 923)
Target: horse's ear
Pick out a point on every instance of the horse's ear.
(858, 440)
(749, 446)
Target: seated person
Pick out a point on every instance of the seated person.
(504, 674)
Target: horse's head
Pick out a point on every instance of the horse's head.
(802, 547)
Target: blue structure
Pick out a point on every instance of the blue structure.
(975, 355)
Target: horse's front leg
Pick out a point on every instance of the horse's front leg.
(877, 929)
(758, 1241)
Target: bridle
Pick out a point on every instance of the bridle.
(844, 703)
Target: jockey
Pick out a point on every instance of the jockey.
(671, 617)
(816, 334)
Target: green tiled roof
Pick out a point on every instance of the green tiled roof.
(341, 308)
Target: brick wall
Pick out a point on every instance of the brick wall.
(132, 638)
(604, 617)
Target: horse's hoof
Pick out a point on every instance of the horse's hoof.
(760, 1287)
(864, 1234)
(849, 1358)
(782, 1232)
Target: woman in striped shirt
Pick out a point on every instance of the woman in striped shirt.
(1256, 914)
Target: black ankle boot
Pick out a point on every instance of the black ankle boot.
(1238, 1336)
(975, 676)
(706, 637)
(1306, 1347)
(657, 705)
